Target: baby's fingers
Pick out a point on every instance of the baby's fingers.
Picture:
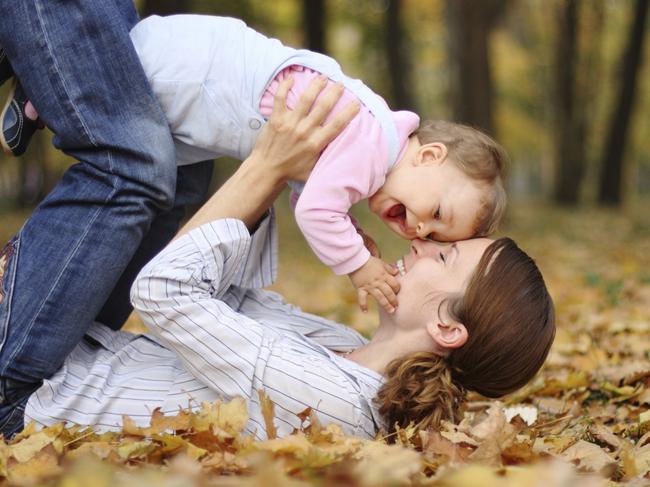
(385, 297)
(392, 270)
(392, 283)
(362, 297)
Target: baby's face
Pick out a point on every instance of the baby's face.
(437, 201)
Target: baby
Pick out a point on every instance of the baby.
(216, 80)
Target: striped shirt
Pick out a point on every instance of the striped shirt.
(215, 334)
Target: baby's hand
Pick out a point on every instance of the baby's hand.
(369, 243)
(376, 278)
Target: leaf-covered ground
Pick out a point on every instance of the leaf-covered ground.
(584, 421)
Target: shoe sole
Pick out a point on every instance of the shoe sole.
(3, 142)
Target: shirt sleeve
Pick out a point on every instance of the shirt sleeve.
(268, 305)
(181, 297)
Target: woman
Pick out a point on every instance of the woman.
(473, 315)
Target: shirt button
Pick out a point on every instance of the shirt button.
(254, 123)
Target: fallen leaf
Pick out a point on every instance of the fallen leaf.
(590, 457)
(268, 413)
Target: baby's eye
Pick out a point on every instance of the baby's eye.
(442, 257)
(436, 215)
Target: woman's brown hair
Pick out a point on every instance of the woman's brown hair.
(480, 157)
(510, 321)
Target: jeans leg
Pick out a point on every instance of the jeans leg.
(191, 189)
(76, 62)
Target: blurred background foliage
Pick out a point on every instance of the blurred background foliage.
(562, 84)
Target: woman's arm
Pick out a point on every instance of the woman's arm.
(182, 295)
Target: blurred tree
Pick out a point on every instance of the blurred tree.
(313, 18)
(611, 176)
(164, 7)
(398, 52)
(569, 123)
(470, 24)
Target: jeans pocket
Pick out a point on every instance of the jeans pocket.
(12, 419)
(8, 264)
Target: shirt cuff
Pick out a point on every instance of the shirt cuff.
(249, 260)
(353, 263)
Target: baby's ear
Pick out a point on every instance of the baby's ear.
(430, 154)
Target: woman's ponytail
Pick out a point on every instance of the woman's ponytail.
(419, 389)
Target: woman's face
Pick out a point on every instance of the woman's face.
(430, 272)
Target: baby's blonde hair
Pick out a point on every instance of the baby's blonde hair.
(481, 158)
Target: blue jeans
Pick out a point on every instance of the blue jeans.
(72, 261)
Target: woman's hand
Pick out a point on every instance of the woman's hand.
(292, 140)
(286, 149)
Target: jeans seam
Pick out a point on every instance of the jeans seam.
(8, 299)
(60, 78)
(29, 327)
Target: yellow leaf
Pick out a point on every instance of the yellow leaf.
(230, 417)
(172, 443)
(382, 464)
(494, 433)
(642, 460)
(28, 447)
(459, 437)
(129, 427)
(134, 449)
(644, 418)
(590, 457)
(161, 423)
(297, 444)
(268, 412)
(100, 449)
(40, 466)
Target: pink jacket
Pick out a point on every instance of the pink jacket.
(351, 168)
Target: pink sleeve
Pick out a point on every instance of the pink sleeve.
(349, 170)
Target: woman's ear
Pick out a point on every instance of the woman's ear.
(448, 335)
(429, 154)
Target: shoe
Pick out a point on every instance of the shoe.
(16, 129)
(5, 68)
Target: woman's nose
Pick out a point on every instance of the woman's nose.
(427, 247)
(421, 247)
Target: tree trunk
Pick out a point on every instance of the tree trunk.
(399, 55)
(164, 7)
(569, 131)
(313, 15)
(612, 164)
(470, 24)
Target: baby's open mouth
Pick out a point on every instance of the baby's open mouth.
(397, 213)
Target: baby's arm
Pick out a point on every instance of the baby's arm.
(349, 170)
